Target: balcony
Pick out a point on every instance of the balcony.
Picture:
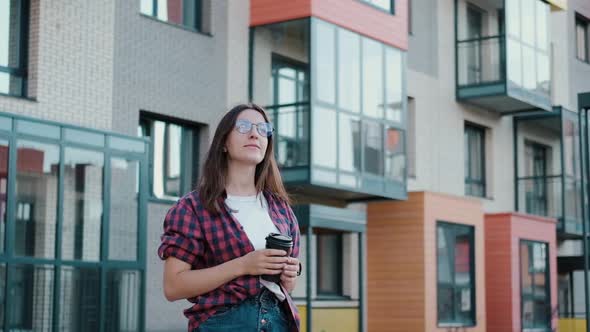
(337, 100)
(548, 181)
(502, 54)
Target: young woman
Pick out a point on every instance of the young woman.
(214, 237)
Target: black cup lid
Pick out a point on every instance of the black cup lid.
(279, 237)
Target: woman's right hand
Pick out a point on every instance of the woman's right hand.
(264, 261)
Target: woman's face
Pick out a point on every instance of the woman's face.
(248, 148)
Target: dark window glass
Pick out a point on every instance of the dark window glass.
(79, 299)
(475, 161)
(122, 302)
(455, 274)
(329, 248)
(534, 281)
(582, 38)
(31, 290)
(536, 170)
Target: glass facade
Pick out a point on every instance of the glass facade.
(455, 274)
(338, 103)
(14, 25)
(549, 176)
(64, 261)
(502, 49)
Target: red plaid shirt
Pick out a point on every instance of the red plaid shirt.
(204, 240)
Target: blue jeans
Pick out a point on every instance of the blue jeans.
(262, 312)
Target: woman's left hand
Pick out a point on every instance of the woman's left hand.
(289, 275)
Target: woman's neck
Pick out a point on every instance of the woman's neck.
(240, 179)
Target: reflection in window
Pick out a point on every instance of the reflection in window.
(123, 227)
(83, 192)
(373, 149)
(534, 278)
(325, 54)
(31, 288)
(122, 302)
(395, 156)
(79, 299)
(36, 197)
(528, 45)
(181, 12)
(329, 248)
(372, 78)
(324, 149)
(14, 21)
(394, 83)
(349, 143)
(174, 156)
(455, 271)
(349, 73)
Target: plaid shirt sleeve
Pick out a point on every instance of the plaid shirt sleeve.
(294, 230)
(182, 236)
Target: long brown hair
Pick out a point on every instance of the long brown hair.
(213, 180)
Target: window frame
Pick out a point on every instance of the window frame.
(529, 245)
(281, 61)
(145, 126)
(198, 26)
(453, 228)
(585, 23)
(537, 150)
(370, 3)
(23, 51)
(339, 266)
(476, 129)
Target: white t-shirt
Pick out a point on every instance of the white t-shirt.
(252, 214)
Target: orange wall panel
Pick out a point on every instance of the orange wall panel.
(273, 11)
(395, 269)
(350, 14)
(506, 231)
(401, 260)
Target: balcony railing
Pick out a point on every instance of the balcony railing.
(552, 196)
(481, 60)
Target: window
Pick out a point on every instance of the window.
(474, 32)
(474, 137)
(180, 12)
(175, 149)
(289, 111)
(60, 253)
(535, 283)
(386, 5)
(14, 23)
(582, 38)
(329, 264)
(455, 274)
(536, 172)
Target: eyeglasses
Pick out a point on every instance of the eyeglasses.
(265, 129)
